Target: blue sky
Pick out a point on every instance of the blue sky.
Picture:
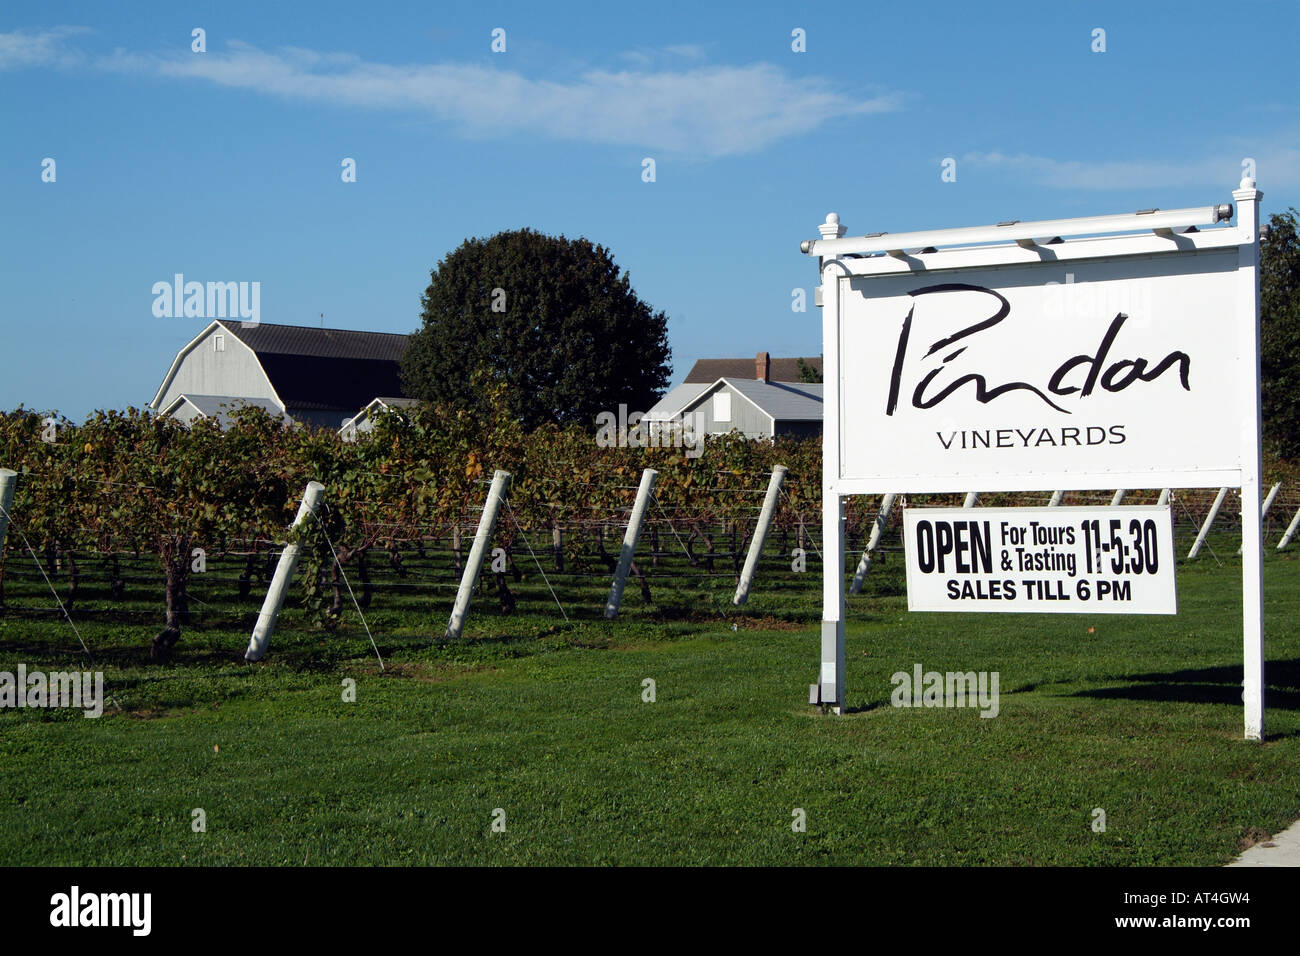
(225, 165)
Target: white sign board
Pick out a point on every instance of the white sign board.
(1110, 369)
(1103, 352)
(1058, 560)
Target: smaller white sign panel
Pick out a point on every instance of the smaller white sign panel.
(1103, 560)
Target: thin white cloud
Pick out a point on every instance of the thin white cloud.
(1277, 166)
(27, 48)
(698, 111)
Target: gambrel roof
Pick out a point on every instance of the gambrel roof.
(326, 368)
(312, 368)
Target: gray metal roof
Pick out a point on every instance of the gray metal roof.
(677, 399)
(221, 407)
(325, 370)
(784, 401)
(266, 338)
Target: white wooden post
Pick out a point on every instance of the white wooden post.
(8, 481)
(630, 537)
(1118, 498)
(1164, 498)
(886, 505)
(1290, 531)
(1056, 499)
(1205, 525)
(1252, 581)
(486, 522)
(760, 534)
(829, 689)
(270, 612)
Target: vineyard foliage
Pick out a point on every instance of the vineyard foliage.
(132, 483)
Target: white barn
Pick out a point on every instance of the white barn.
(313, 376)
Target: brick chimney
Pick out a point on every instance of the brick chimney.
(763, 367)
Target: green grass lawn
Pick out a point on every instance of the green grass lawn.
(1138, 716)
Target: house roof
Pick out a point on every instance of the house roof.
(381, 402)
(222, 407)
(322, 369)
(783, 401)
(707, 371)
(303, 340)
(677, 399)
(392, 404)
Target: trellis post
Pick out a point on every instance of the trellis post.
(1263, 511)
(280, 581)
(630, 538)
(1290, 531)
(1205, 526)
(8, 481)
(760, 534)
(1268, 502)
(886, 505)
(469, 574)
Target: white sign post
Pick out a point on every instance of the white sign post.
(1088, 354)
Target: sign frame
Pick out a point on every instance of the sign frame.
(950, 252)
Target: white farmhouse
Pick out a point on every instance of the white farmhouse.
(745, 395)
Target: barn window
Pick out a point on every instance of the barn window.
(722, 407)
(218, 343)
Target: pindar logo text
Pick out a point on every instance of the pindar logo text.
(1077, 377)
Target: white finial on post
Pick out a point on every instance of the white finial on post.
(831, 228)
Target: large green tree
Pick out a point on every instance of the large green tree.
(1280, 335)
(553, 319)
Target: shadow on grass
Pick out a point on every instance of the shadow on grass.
(1207, 685)
(863, 708)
